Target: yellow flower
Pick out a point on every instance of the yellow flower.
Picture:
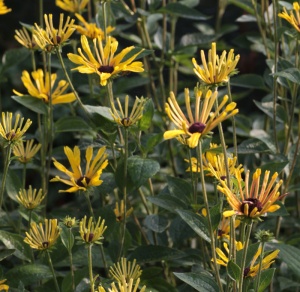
(267, 261)
(120, 210)
(224, 227)
(25, 154)
(23, 37)
(126, 286)
(91, 232)
(3, 286)
(72, 5)
(77, 180)
(30, 198)
(125, 269)
(51, 37)
(294, 17)
(105, 63)
(13, 133)
(223, 258)
(122, 117)
(191, 128)
(216, 70)
(255, 201)
(70, 222)
(42, 238)
(3, 8)
(91, 30)
(42, 85)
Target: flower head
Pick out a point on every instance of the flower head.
(252, 270)
(91, 232)
(217, 69)
(51, 37)
(72, 5)
(255, 201)
(126, 286)
(105, 63)
(224, 227)
(3, 286)
(25, 39)
(224, 255)
(26, 153)
(128, 270)
(120, 211)
(77, 179)
(190, 129)
(70, 222)
(43, 85)
(10, 132)
(3, 8)
(123, 118)
(293, 17)
(30, 198)
(91, 30)
(40, 237)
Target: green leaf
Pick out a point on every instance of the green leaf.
(167, 202)
(140, 169)
(156, 223)
(233, 271)
(154, 253)
(200, 282)
(276, 166)
(252, 81)
(13, 185)
(148, 112)
(71, 124)
(286, 283)
(215, 215)
(280, 212)
(244, 5)
(292, 74)
(252, 146)
(32, 103)
(29, 274)
(14, 56)
(66, 285)
(150, 141)
(195, 39)
(267, 108)
(196, 222)
(251, 251)
(179, 188)
(183, 11)
(265, 138)
(6, 253)
(265, 279)
(67, 237)
(16, 241)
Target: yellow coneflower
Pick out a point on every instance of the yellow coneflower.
(43, 238)
(193, 127)
(103, 61)
(30, 198)
(3, 286)
(44, 84)
(293, 17)
(255, 200)
(72, 6)
(224, 256)
(25, 39)
(122, 117)
(76, 178)
(12, 132)
(217, 69)
(128, 270)
(126, 286)
(51, 37)
(224, 227)
(91, 232)
(26, 153)
(120, 211)
(70, 222)
(91, 30)
(3, 8)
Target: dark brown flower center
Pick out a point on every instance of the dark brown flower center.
(246, 272)
(80, 183)
(58, 39)
(45, 244)
(220, 232)
(10, 135)
(223, 177)
(106, 69)
(252, 203)
(90, 237)
(125, 122)
(197, 128)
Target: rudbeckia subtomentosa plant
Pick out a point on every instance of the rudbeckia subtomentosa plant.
(3, 8)
(76, 178)
(26, 153)
(25, 39)
(73, 6)
(91, 231)
(50, 37)
(191, 127)
(41, 85)
(293, 16)
(216, 70)
(91, 30)
(252, 200)
(3, 286)
(103, 61)
(119, 211)
(30, 198)
(126, 286)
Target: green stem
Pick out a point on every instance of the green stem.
(87, 195)
(245, 249)
(193, 178)
(210, 227)
(5, 171)
(260, 265)
(90, 263)
(53, 272)
(71, 258)
(104, 259)
(24, 176)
